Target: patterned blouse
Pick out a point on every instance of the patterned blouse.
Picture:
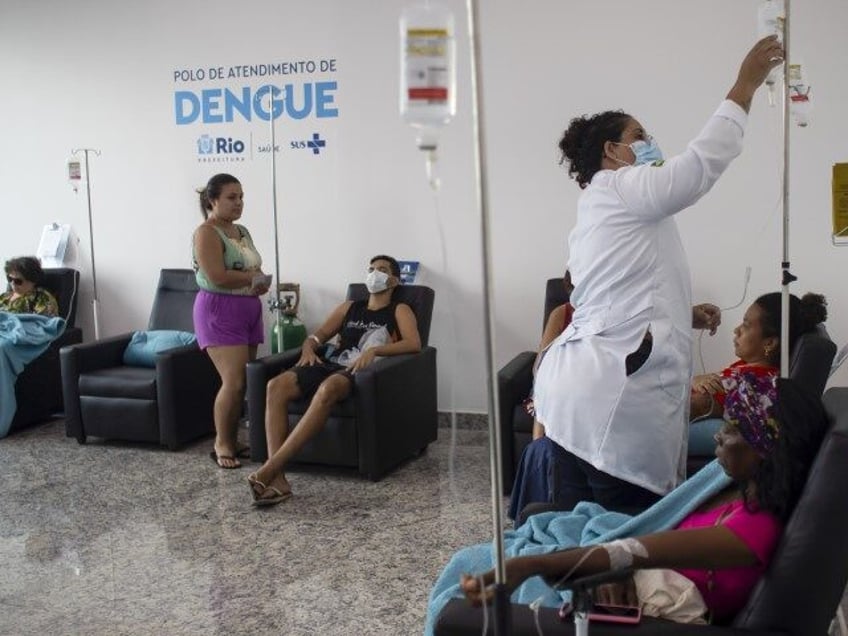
(40, 301)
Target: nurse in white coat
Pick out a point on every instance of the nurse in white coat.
(612, 390)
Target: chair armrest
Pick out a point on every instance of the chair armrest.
(515, 380)
(276, 363)
(186, 385)
(459, 618)
(397, 412)
(101, 354)
(77, 359)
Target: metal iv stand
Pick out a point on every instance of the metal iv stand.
(95, 302)
(275, 304)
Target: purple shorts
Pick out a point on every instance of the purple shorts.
(227, 319)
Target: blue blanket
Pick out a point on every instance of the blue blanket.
(587, 524)
(23, 337)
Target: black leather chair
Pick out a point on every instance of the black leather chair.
(514, 383)
(390, 417)
(170, 404)
(38, 390)
(809, 366)
(799, 594)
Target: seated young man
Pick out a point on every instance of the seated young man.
(368, 329)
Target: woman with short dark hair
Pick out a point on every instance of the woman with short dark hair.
(25, 295)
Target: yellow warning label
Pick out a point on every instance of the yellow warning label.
(840, 200)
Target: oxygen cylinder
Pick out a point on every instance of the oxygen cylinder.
(288, 333)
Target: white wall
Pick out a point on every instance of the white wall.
(100, 74)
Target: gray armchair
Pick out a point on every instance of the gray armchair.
(391, 415)
(170, 404)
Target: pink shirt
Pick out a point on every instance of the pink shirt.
(730, 588)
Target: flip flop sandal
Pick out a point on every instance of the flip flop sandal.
(279, 497)
(251, 479)
(215, 457)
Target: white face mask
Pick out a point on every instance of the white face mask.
(376, 281)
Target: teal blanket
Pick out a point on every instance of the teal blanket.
(587, 524)
(23, 337)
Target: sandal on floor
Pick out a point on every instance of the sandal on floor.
(251, 479)
(279, 496)
(215, 457)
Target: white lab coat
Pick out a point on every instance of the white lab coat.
(632, 275)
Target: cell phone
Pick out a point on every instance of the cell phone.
(630, 614)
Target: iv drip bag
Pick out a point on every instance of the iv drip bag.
(427, 70)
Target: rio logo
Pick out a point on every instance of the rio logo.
(208, 145)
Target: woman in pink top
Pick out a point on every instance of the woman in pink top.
(771, 434)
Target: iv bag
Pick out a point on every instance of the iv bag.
(75, 173)
(799, 95)
(771, 19)
(427, 70)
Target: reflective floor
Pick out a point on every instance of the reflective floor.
(113, 538)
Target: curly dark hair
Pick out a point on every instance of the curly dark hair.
(804, 315)
(213, 190)
(782, 474)
(393, 264)
(582, 143)
(28, 267)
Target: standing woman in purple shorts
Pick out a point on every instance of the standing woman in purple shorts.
(227, 310)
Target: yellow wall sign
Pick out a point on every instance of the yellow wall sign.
(840, 203)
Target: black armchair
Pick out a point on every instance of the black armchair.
(170, 404)
(390, 416)
(38, 390)
(514, 383)
(799, 594)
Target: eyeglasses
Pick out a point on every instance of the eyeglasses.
(14, 280)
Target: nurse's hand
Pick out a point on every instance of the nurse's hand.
(764, 56)
(706, 316)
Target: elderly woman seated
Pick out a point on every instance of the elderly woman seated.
(25, 295)
(28, 323)
(716, 532)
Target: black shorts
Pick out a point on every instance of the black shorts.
(309, 378)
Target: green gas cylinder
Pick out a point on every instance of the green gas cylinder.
(288, 333)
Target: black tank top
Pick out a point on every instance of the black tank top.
(359, 321)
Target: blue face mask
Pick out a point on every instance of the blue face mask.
(645, 151)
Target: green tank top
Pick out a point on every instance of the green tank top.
(239, 254)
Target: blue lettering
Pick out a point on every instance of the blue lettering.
(231, 102)
(216, 105)
(323, 99)
(307, 101)
(260, 109)
(210, 98)
(180, 100)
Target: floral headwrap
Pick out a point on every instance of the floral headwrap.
(749, 406)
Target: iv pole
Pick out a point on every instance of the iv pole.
(275, 303)
(787, 276)
(501, 605)
(95, 303)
